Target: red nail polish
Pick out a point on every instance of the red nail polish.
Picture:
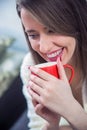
(29, 67)
(28, 86)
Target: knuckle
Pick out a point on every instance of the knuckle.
(38, 71)
(49, 90)
(33, 77)
(44, 99)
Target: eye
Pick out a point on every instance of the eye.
(33, 36)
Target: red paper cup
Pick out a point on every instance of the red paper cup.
(51, 68)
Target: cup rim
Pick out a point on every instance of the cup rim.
(46, 64)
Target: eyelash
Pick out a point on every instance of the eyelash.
(33, 36)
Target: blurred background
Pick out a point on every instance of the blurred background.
(13, 48)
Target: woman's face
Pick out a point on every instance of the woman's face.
(45, 42)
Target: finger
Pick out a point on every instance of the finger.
(28, 89)
(38, 109)
(41, 73)
(37, 89)
(37, 80)
(34, 95)
(34, 102)
(61, 71)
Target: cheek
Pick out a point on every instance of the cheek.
(34, 46)
(68, 53)
(71, 52)
(72, 48)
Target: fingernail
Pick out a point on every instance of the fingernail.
(29, 67)
(34, 69)
(28, 86)
(58, 59)
(30, 83)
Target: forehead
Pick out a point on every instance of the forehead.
(26, 14)
(29, 20)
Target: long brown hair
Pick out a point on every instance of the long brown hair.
(66, 17)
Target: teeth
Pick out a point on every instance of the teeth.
(54, 54)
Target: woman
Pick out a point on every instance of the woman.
(55, 31)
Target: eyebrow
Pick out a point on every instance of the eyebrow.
(33, 31)
(30, 31)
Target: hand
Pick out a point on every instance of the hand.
(51, 117)
(55, 94)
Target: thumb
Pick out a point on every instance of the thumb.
(34, 102)
(38, 108)
(61, 71)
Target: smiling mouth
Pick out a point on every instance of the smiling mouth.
(54, 55)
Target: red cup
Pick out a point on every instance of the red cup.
(51, 68)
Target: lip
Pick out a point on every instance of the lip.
(55, 54)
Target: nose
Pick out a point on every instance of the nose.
(45, 44)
